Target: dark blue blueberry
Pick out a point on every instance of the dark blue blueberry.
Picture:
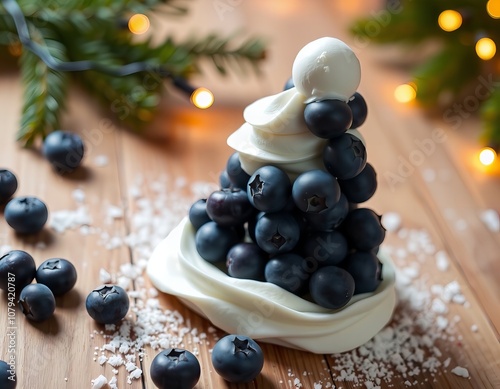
(330, 218)
(269, 189)
(175, 368)
(213, 241)
(237, 358)
(289, 84)
(237, 176)
(17, 268)
(8, 379)
(359, 110)
(26, 215)
(362, 187)
(315, 191)
(366, 270)
(107, 304)
(252, 223)
(8, 185)
(229, 207)
(331, 287)
(363, 229)
(277, 232)
(37, 302)
(58, 274)
(198, 213)
(290, 271)
(328, 118)
(326, 248)
(344, 157)
(246, 260)
(224, 180)
(64, 150)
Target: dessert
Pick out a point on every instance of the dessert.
(289, 206)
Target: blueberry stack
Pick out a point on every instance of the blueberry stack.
(309, 236)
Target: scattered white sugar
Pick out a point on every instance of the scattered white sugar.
(441, 261)
(391, 221)
(441, 322)
(474, 328)
(99, 382)
(318, 385)
(4, 249)
(460, 371)
(115, 360)
(491, 219)
(113, 383)
(63, 220)
(136, 374)
(104, 276)
(297, 383)
(447, 362)
(114, 212)
(102, 360)
(438, 306)
(101, 160)
(78, 195)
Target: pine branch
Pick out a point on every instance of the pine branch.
(491, 119)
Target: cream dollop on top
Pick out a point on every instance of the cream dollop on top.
(263, 310)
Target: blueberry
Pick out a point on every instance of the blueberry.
(246, 260)
(344, 157)
(64, 150)
(8, 379)
(325, 248)
(198, 213)
(362, 187)
(175, 368)
(330, 218)
(8, 185)
(289, 271)
(58, 274)
(237, 176)
(229, 207)
(26, 215)
(328, 118)
(359, 110)
(363, 229)
(224, 180)
(331, 287)
(315, 191)
(252, 223)
(237, 358)
(289, 84)
(107, 304)
(366, 270)
(277, 232)
(17, 268)
(213, 241)
(269, 189)
(37, 302)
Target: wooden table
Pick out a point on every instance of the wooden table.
(441, 198)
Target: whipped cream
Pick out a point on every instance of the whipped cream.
(263, 310)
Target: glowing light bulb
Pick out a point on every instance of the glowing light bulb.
(405, 93)
(138, 24)
(450, 20)
(486, 48)
(202, 98)
(493, 8)
(487, 156)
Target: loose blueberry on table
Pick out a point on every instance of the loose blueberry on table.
(37, 302)
(8, 185)
(58, 274)
(8, 379)
(18, 266)
(237, 358)
(64, 150)
(107, 304)
(175, 369)
(26, 215)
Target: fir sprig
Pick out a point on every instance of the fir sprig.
(81, 30)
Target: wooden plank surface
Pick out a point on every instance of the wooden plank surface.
(158, 174)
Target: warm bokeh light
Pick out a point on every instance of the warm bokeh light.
(486, 48)
(487, 156)
(202, 98)
(138, 24)
(450, 20)
(493, 8)
(405, 93)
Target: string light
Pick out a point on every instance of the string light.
(450, 20)
(405, 93)
(202, 98)
(486, 48)
(493, 8)
(487, 156)
(138, 24)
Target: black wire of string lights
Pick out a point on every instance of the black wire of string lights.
(42, 52)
